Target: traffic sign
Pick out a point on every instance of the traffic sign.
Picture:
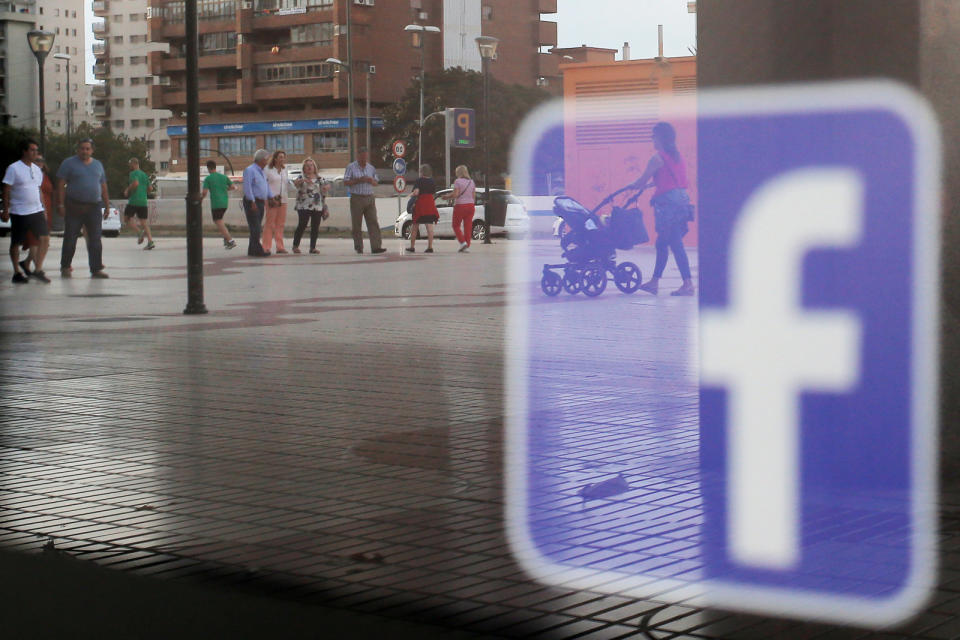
(399, 183)
(787, 468)
(399, 166)
(399, 148)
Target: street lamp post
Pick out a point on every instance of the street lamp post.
(63, 56)
(339, 63)
(417, 31)
(195, 304)
(41, 42)
(488, 50)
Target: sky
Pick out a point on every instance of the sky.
(597, 23)
(610, 23)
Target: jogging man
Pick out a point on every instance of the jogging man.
(85, 203)
(136, 208)
(217, 185)
(23, 201)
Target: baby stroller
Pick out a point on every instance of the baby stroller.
(590, 244)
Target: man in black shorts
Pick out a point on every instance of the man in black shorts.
(217, 185)
(23, 206)
(139, 183)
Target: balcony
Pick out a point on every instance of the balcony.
(548, 65)
(216, 60)
(99, 49)
(307, 52)
(173, 96)
(270, 91)
(101, 8)
(100, 30)
(101, 110)
(101, 70)
(548, 34)
(100, 91)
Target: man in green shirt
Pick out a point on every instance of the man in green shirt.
(136, 209)
(217, 185)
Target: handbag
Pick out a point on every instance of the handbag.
(691, 210)
(411, 204)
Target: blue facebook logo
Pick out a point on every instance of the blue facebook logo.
(817, 336)
(773, 450)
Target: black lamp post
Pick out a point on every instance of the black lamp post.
(488, 51)
(41, 42)
(417, 31)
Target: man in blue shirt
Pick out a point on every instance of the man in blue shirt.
(84, 203)
(256, 192)
(361, 177)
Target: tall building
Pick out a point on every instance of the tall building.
(122, 54)
(65, 19)
(264, 81)
(18, 68)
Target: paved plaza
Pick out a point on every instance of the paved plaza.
(332, 433)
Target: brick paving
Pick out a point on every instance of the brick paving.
(332, 433)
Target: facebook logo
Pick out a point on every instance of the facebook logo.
(817, 341)
(771, 447)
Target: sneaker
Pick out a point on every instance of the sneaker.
(99, 275)
(23, 266)
(40, 275)
(140, 235)
(296, 249)
(314, 251)
(683, 291)
(411, 250)
(19, 278)
(380, 250)
(463, 247)
(150, 245)
(66, 272)
(429, 250)
(229, 244)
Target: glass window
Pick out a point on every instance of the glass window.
(182, 147)
(330, 142)
(219, 42)
(294, 72)
(319, 33)
(289, 142)
(237, 145)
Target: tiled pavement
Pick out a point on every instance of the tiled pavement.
(332, 433)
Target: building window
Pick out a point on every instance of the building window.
(118, 18)
(330, 142)
(117, 62)
(237, 145)
(164, 121)
(118, 82)
(138, 102)
(319, 33)
(164, 145)
(134, 124)
(294, 72)
(118, 102)
(119, 39)
(289, 142)
(164, 165)
(134, 17)
(138, 59)
(182, 147)
(487, 12)
(151, 144)
(206, 10)
(220, 42)
(73, 14)
(148, 80)
(134, 81)
(118, 124)
(150, 122)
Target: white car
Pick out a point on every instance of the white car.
(517, 221)
(111, 226)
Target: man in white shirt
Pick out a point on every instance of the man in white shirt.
(23, 206)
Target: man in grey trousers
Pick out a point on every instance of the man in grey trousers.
(361, 177)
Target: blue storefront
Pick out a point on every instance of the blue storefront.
(317, 137)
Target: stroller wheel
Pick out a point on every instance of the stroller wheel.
(594, 281)
(627, 277)
(551, 283)
(572, 282)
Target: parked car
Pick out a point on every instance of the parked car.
(516, 219)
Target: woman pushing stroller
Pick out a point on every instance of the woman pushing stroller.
(671, 206)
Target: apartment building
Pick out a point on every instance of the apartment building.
(122, 52)
(65, 19)
(264, 81)
(18, 68)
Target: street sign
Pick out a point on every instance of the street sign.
(399, 166)
(464, 128)
(788, 466)
(399, 148)
(399, 183)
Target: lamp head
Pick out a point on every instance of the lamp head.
(41, 42)
(487, 46)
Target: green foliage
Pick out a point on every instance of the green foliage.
(509, 104)
(114, 151)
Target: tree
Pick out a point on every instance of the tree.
(113, 150)
(457, 87)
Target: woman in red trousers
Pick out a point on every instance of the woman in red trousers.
(463, 198)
